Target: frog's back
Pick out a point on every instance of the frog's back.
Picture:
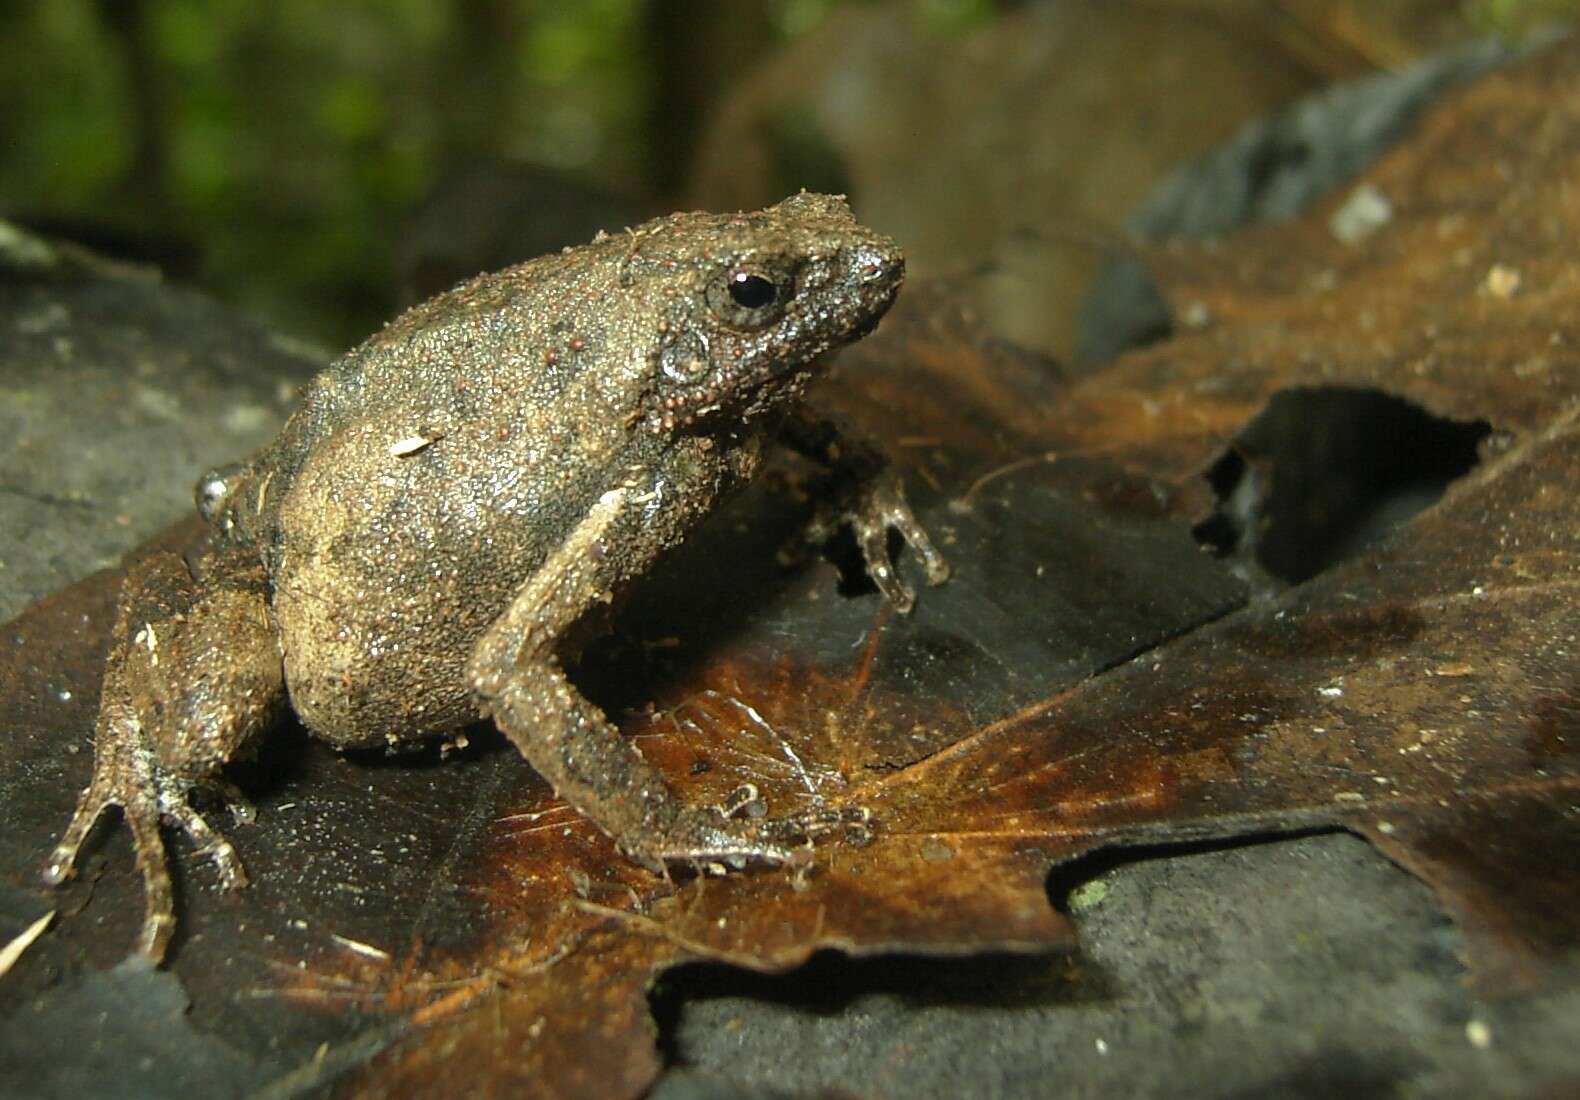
(447, 355)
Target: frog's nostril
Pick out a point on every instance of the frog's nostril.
(874, 264)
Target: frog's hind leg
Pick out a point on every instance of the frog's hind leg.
(194, 670)
(517, 678)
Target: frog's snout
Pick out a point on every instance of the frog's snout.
(878, 270)
(876, 263)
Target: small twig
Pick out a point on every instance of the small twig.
(12, 951)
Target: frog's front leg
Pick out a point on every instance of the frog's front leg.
(194, 669)
(518, 679)
(865, 493)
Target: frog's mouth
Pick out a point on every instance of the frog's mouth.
(868, 326)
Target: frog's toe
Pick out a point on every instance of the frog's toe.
(881, 507)
(887, 509)
(744, 801)
(62, 862)
(854, 821)
(873, 538)
(710, 838)
(145, 800)
(934, 564)
(210, 843)
(142, 817)
(159, 904)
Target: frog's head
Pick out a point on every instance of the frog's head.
(752, 300)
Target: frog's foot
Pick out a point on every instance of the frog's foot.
(810, 826)
(194, 670)
(126, 775)
(712, 837)
(872, 511)
(746, 802)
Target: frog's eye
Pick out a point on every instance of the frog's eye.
(750, 297)
(752, 291)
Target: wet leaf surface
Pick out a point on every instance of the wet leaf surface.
(1091, 677)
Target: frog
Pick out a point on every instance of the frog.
(453, 501)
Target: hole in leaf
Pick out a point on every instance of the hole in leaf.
(1323, 473)
(831, 981)
(756, 1030)
(1067, 881)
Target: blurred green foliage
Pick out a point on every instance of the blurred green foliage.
(272, 151)
(291, 137)
(1518, 16)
